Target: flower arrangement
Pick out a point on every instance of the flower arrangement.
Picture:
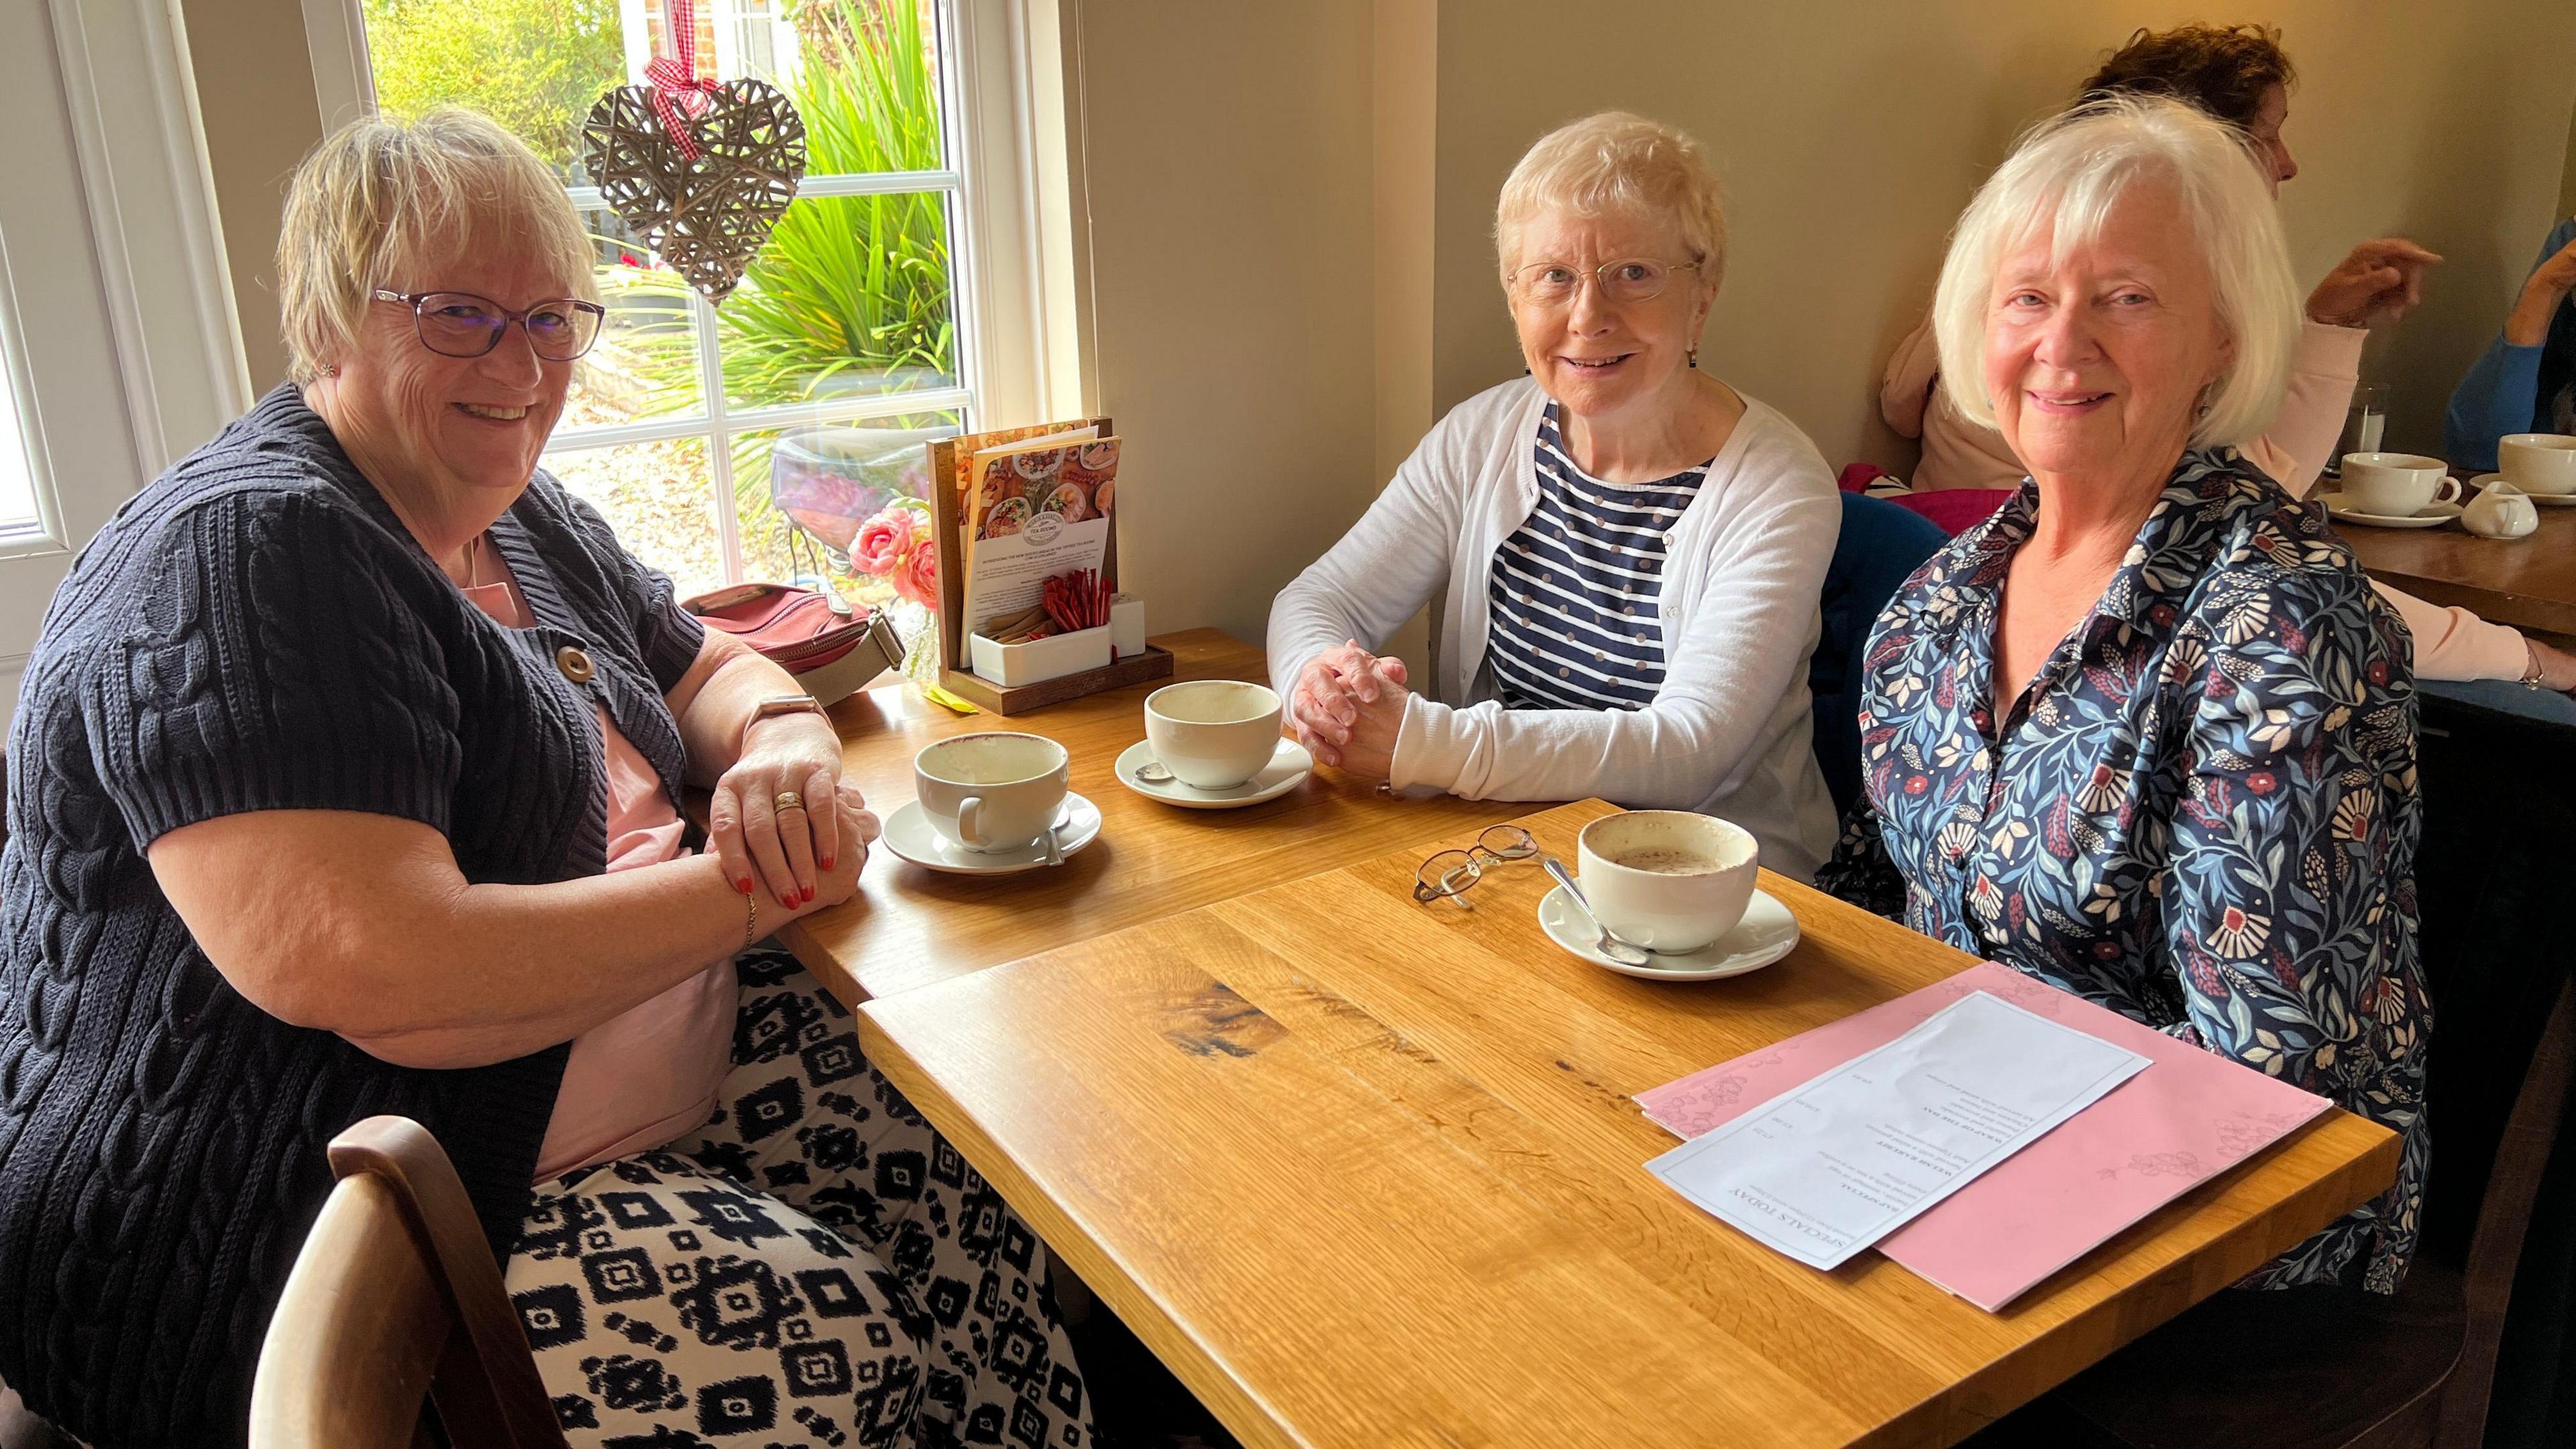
(895, 546)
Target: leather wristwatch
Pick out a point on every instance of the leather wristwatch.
(779, 704)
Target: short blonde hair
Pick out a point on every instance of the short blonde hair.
(364, 204)
(2063, 180)
(1616, 163)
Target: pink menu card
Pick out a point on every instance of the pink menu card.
(2188, 1116)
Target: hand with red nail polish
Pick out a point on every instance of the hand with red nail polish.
(773, 815)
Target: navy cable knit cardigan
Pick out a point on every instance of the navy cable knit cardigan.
(255, 631)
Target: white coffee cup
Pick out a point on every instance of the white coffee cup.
(2396, 485)
(1667, 880)
(2538, 462)
(1214, 734)
(991, 792)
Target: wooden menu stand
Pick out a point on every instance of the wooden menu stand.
(948, 462)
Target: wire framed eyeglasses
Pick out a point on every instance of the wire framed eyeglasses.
(461, 324)
(1631, 279)
(1447, 876)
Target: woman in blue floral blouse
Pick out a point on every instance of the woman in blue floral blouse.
(2148, 734)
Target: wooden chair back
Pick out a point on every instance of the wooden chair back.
(396, 1303)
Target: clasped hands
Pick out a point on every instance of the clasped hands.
(783, 817)
(1347, 707)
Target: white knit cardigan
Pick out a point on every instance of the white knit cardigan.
(1729, 733)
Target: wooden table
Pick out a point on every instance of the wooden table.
(1367, 1173)
(2529, 583)
(910, 926)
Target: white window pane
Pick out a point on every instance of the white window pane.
(849, 300)
(535, 66)
(645, 364)
(866, 80)
(800, 494)
(660, 499)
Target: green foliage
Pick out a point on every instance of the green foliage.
(535, 66)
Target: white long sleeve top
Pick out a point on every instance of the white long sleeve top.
(1729, 733)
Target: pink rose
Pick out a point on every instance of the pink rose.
(918, 578)
(883, 542)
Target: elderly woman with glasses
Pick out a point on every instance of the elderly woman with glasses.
(1632, 550)
(346, 781)
(2148, 733)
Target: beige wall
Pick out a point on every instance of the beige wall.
(2567, 182)
(1852, 132)
(255, 90)
(1227, 170)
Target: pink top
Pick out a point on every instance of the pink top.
(650, 1073)
(2449, 643)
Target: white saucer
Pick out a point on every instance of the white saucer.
(2432, 515)
(911, 836)
(1288, 764)
(2545, 500)
(1767, 933)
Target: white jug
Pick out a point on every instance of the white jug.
(2501, 511)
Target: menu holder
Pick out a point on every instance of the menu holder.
(950, 461)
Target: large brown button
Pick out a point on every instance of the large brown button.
(574, 664)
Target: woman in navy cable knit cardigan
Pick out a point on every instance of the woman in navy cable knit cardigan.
(344, 782)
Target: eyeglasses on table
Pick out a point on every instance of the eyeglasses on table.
(1447, 875)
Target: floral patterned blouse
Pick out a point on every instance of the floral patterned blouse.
(2203, 813)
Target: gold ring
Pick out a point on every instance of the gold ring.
(789, 800)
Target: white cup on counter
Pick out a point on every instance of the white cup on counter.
(992, 792)
(1212, 734)
(1667, 880)
(2538, 462)
(2396, 485)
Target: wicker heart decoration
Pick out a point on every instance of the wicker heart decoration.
(705, 190)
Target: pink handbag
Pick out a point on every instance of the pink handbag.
(800, 630)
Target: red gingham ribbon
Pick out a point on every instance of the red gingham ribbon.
(678, 93)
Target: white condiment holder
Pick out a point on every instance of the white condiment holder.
(1053, 657)
(1126, 625)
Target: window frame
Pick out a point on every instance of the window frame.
(1015, 361)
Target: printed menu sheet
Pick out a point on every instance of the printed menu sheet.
(1827, 1169)
(1038, 510)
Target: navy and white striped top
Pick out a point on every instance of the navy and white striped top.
(1576, 622)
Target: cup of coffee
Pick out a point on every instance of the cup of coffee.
(1667, 880)
(2538, 462)
(991, 792)
(2396, 485)
(1213, 734)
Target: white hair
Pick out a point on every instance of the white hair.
(1618, 164)
(2063, 180)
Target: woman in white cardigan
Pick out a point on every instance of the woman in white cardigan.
(1632, 550)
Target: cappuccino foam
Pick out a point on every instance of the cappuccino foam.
(1669, 860)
